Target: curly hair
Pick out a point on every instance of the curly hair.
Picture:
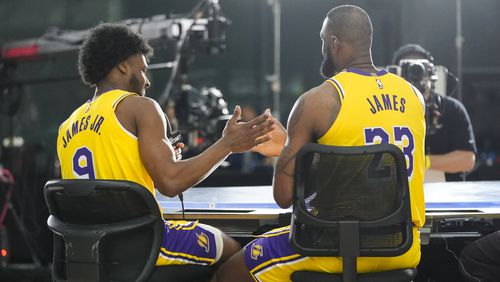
(106, 46)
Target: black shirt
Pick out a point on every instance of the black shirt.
(453, 132)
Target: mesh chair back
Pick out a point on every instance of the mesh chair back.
(366, 185)
(103, 230)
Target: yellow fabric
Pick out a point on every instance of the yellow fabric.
(92, 144)
(375, 108)
(282, 272)
(390, 103)
(427, 162)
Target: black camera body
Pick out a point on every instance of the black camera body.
(203, 111)
(208, 35)
(419, 72)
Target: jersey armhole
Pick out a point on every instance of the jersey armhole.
(337, 86)
(341, 95)
(115, 104)
(119, 99)
(419, 95)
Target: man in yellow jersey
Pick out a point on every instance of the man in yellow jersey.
(120, 134)
(356, 105)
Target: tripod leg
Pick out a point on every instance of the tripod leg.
(5, 249)
(24, 233)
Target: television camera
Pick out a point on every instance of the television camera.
(432, 81)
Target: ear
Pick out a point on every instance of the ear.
(123, 67)
(335, 44)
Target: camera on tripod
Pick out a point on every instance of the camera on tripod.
(418, 72)
(203, 112)
(209, 35)
(204, 30)
(422, 74)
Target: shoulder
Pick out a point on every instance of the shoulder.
(317, 99)
(73, 115)
(450, 104)
(138, 110)
(325, 92)
(317, 108)
(451, 101)
(140, 104)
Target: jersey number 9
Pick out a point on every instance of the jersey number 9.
(83, 164)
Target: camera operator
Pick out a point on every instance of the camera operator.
(450, 144)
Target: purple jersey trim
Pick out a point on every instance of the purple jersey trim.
(338, 86)
(360, 72)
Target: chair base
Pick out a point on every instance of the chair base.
(398, 275)
(181, 273)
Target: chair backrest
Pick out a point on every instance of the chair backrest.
(103, 230)
(351, 201)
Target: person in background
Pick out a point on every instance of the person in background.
(450, 143)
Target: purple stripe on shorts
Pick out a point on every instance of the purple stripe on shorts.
(264, 249)
(184, 239)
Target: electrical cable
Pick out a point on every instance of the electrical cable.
(460, 264)
(181, 198)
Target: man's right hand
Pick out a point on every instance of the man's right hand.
(242, 136)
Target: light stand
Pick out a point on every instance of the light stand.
(459, 43)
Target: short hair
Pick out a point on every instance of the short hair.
(106, 46)
(408, 49)
(350, 23)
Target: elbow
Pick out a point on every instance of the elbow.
(284, 205)
(282, 192)
(168, 187)
(168, 193)
(470, 162)
(165, 191)
(467, 161)
(282, 202)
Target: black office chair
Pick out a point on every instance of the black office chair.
(350, 202)
(109, 230)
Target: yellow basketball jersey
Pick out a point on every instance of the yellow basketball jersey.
(92, 144)
(382, 108)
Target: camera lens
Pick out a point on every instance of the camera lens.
(416, 72)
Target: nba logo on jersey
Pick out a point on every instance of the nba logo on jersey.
(379, 84)
(203, 241)
(257, 251)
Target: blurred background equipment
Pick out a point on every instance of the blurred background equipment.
(6, 206)
(200, 113)
(418, 72)
(202, 30)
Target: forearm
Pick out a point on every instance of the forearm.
(453, 162)
(284, 178)
(184, 174)
(197, 168)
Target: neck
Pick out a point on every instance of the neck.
(104, 87)
(362, 62)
